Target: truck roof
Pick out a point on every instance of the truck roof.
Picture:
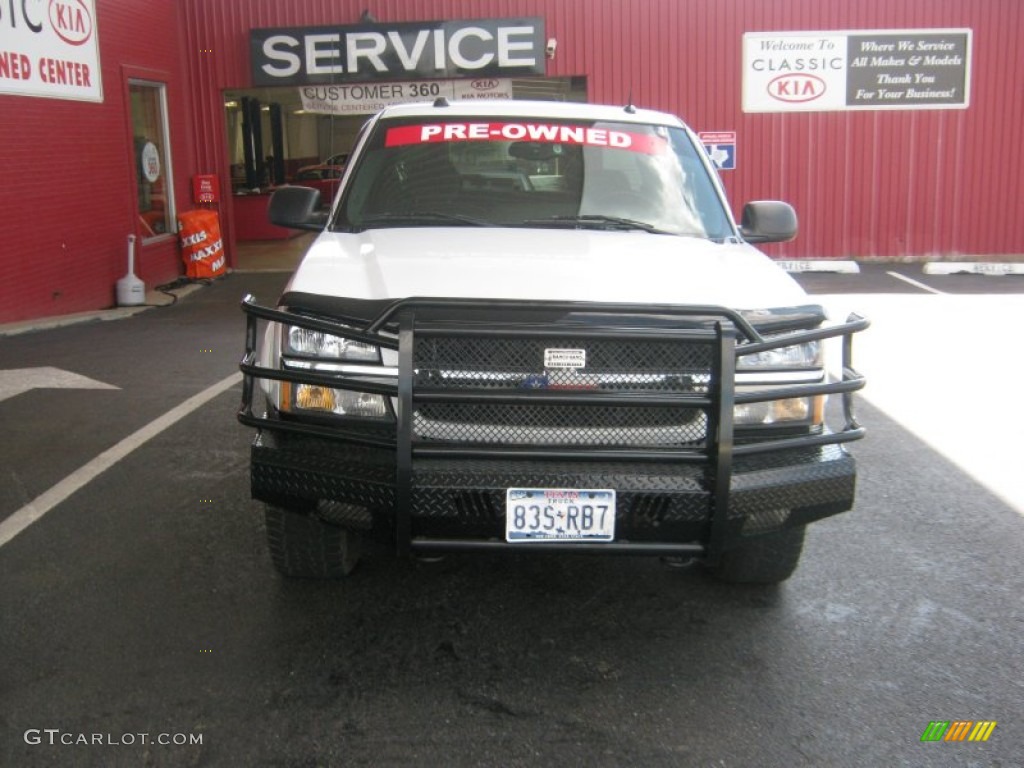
(533, 109)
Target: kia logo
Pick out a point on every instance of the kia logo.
(796, 87)
(71, 21)
(484, 85)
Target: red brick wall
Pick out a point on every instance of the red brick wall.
(67, 197)
(867, 184)
(896, 184)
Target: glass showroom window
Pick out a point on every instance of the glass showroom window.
(152, 158)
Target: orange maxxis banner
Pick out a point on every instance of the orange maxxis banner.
(202, 248)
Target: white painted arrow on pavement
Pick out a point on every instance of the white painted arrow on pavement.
(15, 381)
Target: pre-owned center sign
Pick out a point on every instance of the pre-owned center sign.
(875, 69)
(50, 49)
(400, 51)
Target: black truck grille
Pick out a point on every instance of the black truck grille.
(658, 365)
(517, 365)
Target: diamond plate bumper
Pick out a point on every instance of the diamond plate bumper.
(659, 502)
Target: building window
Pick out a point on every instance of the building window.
(152, 158)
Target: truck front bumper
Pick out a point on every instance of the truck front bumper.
(662, 507)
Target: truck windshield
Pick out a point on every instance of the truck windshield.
(532, 173)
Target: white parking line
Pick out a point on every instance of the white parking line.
(915, 283)
(46, 501)
(267, 271)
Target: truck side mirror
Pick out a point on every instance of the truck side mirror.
(768, 221)
(296, 208)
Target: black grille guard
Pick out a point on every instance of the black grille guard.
(726, 327)
(718, 328)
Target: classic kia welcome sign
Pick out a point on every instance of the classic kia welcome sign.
(873, 69)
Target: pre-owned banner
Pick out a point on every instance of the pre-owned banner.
(397, 51)
(50, 49)
(871, 69)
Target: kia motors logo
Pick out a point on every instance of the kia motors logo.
(484, 85)
(796, 87)
(71, 21)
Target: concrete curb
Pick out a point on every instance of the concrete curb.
(154, 300)
(819, 265)
(988, 268)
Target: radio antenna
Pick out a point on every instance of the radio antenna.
(630, 109)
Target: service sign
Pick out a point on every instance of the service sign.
(50, 48)
(478, 48)
(367, 98)
(874, 69)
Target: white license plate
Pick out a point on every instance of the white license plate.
(559, 514)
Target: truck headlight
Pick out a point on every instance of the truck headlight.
(795, 364)
(807, 410)
(311, 398)
(806, 355)
(318, 351)
(308, 343)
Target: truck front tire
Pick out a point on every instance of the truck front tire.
(767, 559)
(305, 547)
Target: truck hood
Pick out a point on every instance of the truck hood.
(542, 264)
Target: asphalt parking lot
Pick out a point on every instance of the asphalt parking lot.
(908, 279)
(141, 623)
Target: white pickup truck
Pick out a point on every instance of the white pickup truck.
(536, 326)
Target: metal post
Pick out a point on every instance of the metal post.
(723, 380)
(403, 458)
